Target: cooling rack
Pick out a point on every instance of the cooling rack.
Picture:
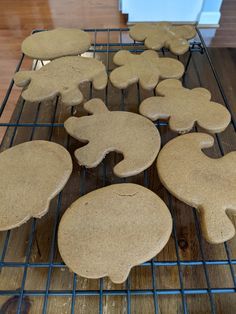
(188, 276)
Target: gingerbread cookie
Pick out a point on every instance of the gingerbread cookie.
(62, 77)
(146, 68)
(108, 231)
(205, 183)
(128, 133)
(32, 174)
(56, 43)
(164, 34)
(184, 107)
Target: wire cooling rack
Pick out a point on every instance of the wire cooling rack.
(188, 276)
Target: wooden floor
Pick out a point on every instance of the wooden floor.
(19, 17)
(226, 34)
(188, 244)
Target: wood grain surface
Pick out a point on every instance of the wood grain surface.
(185, 244)
(19, 17)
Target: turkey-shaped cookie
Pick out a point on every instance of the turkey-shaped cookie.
(202, 182)
(108, 231)
(62, 77)
(164, 34)
(32, 174)
(184, 107)
(128, 133)
(146, 68)
(56, 43)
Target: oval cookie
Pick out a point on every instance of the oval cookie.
(124, 132)
(205, 183)
(32, 174)
(62, 77)
(184, 107)
(108, 231)
(146, 68)
(60, 42)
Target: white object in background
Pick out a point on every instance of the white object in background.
(210, 14)
(205, 12)
(124, 6)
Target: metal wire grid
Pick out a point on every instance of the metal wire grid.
(196, 47)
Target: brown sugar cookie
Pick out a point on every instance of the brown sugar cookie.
(108, 231)
(32, 174)
(184, 107)
(62, 77)
(56, 43)
(146, 68)
(125, 132)
(164, 34)
(205, 183)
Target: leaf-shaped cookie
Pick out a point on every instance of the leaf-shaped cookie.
(32, 173)
(164, 34)
(108, 231)
(56, 43)
(146, 68)
(205, 183)
(128, 133)
(62, 77)
(184, 107)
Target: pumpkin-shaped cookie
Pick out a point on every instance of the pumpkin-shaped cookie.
(32, 173)
(108, 231)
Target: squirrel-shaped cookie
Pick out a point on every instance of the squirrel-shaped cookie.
(184, 107)
(164, 34)
(205, 183)
(62, 77)
(146, 68)
(128, 133)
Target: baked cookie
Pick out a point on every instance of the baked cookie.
(32, 174)
(60, 42)
(62, 77)
(108, 231)
(205, 183)
(146, 68)
(164, 34)
(128, 133)
(184, 107)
